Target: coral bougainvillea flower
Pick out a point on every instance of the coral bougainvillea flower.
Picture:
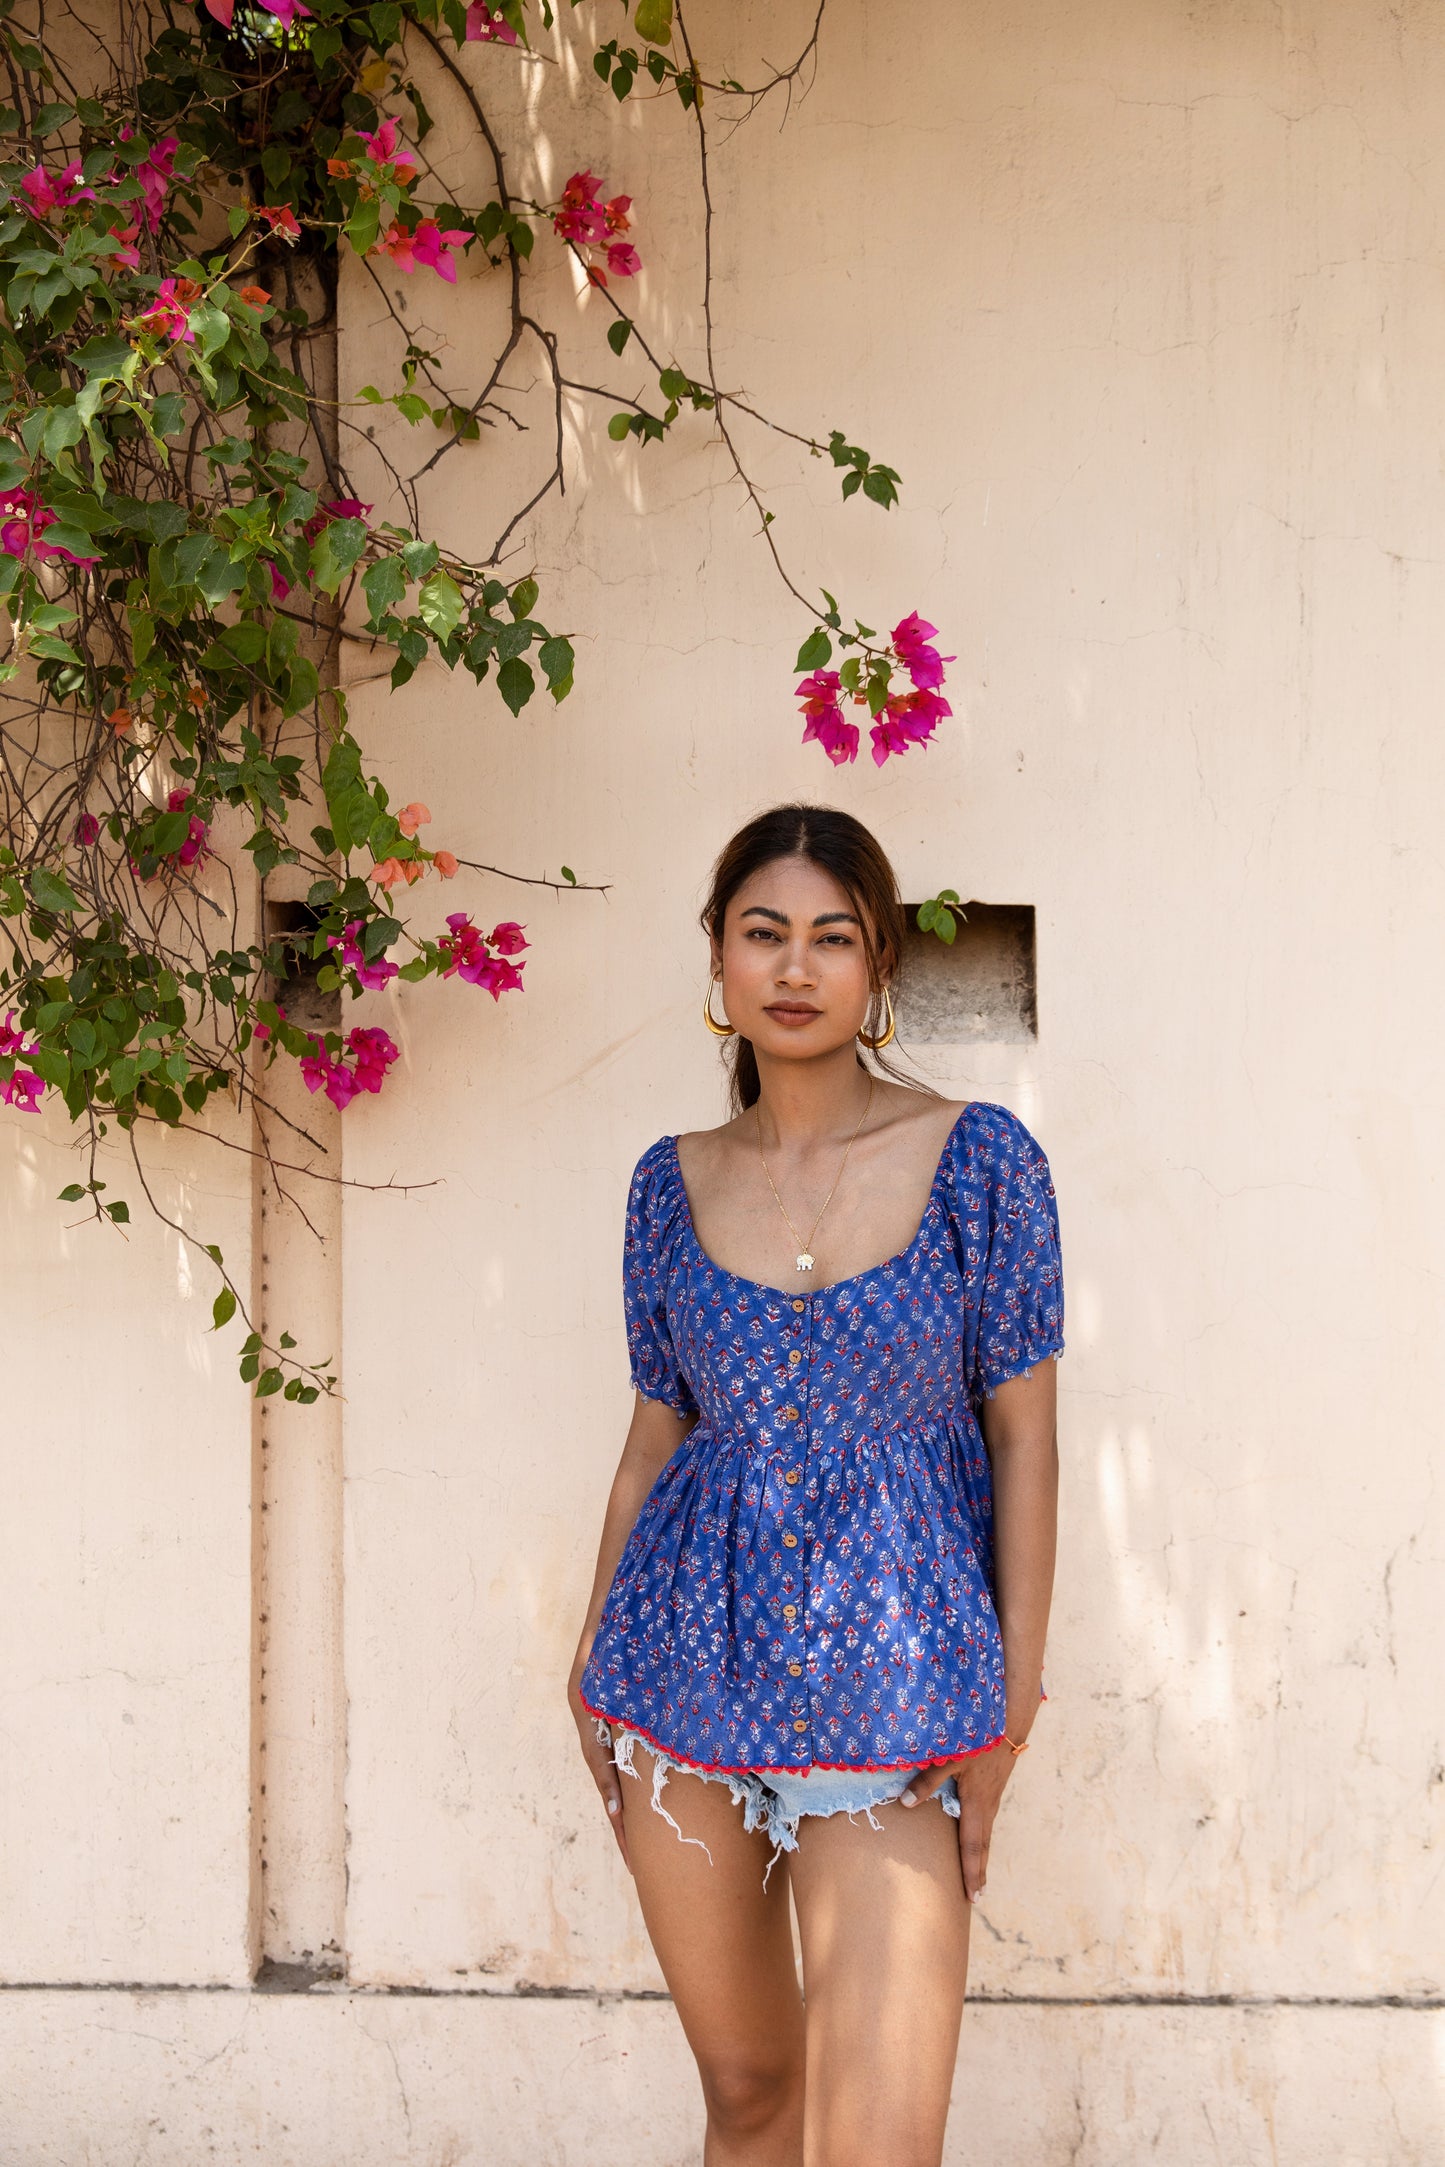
(280, 218)
(120, 719)
(391, 870)
(445, 864)
(488, 26)
(582, 218)
(614, 214)
(411, 817)
(255, 296)
(372, 975)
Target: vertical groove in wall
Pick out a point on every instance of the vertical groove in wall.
(300, 1705)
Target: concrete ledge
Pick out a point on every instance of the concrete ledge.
(338, 2079)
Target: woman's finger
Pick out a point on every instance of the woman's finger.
(973, 1848)
(923, 1783)
(604, 1774)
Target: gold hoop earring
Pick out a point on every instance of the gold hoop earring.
(874, 1043)
(718, 1030)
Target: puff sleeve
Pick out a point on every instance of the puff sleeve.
(1021, 1311)
(646, 1249)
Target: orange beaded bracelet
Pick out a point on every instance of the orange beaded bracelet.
(1016, 1750)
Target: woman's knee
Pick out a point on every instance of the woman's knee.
(748, 2092)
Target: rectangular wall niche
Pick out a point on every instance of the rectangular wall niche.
(983, 987)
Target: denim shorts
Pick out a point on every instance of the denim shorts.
(776, 1799)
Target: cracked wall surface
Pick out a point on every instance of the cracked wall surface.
(1143, 302)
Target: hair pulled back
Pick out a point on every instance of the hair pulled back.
(842, 846)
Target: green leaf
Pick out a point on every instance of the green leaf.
(816, 651)
(653, 21)
(523, 598)
(52, 891)
(557, 661)
(516, 683)
(440, 605)
(619, 333)
(335, 550)
(619, 427)
(271, 1380)
(71, 1195)
(363, 224)
(383, 584)
(119, 1212)
(223, 1308)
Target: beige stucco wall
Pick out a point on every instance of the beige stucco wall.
(1143, 301)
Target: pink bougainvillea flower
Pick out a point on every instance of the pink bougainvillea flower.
(488, 26)
(320, 1072)
(46, 192)
(280, 218)
(429, 245)
(12, 1040)
(614, 214)
(445, 864)
(285, 11)
(923, 663)
(825, 725)
(372, 975)
(908, 718)
(87, 828)
(168, 316)
(466, 947)
(582, 218)
(382, 147)
(23, 523)
(280, 586)
(126, 254)
(374, 1051)
(411, 817)
(195, 848)
(506, 938)
(623, 260)
(154, 174)
(337, 508)
(222, 10)
(23, 1090)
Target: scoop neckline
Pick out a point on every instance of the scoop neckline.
(763, 1286)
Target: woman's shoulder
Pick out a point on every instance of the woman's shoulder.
(993, 1143)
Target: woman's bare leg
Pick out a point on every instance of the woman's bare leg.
(726, 1950)
(884, 1926)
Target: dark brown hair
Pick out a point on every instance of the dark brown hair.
(842, 846)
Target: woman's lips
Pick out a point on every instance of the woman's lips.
(793, 1016)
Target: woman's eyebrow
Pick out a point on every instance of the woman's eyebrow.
(780, 917)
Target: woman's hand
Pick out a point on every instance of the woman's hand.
(600, 1764)
(981, 1779)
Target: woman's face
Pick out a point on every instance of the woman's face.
(794, 960)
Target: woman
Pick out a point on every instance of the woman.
(825, 1568)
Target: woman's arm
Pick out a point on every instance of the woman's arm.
(1019, 1429)
(653, 1436)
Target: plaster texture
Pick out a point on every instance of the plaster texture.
(1143, 301)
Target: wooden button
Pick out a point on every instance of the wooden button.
(800, 1725)
(799, 1305)
(794, 1355)
(795, 1670)
(791, 1475)
(790, 1610)
(790, 1414)
(791, 1540)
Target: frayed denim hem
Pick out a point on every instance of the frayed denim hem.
(776, 1806)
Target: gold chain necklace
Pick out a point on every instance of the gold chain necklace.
(805, 1248)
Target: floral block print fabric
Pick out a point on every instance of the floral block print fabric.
(809, 1582)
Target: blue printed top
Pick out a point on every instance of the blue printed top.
(810, 1579)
